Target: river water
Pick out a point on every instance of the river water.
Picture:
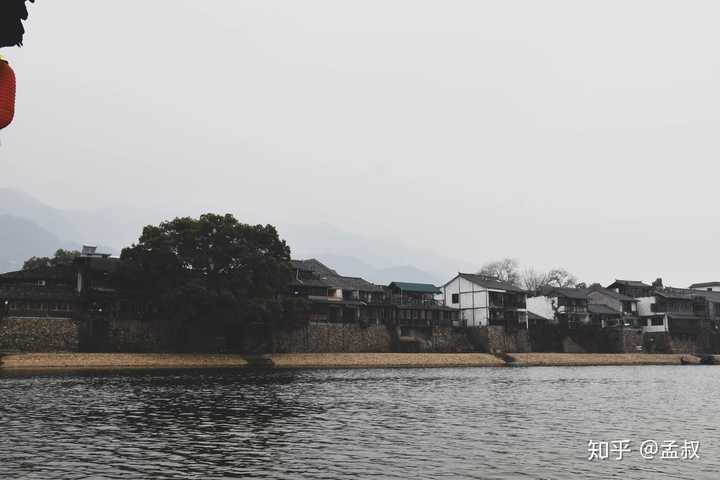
(482, 423)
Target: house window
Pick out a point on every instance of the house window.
(658, 322)
(455, 298)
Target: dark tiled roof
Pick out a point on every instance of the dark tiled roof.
(313, 265)
(308, 279)
(705, 285)
(490, 283)
(630, 283)
(600, 309)
(576, 293)
(415, 287)
(611, 293)
(680, 293)
(351, 283)
(313, 273)
(39, 294)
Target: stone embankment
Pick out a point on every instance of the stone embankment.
(101, 361)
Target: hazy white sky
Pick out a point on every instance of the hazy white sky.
(572, 133)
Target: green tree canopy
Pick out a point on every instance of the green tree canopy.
(61, 258)
(209, 266)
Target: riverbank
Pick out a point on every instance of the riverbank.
(44, 361)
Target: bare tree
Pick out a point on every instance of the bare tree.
(532, 280)
(559, 277)
(505, 270)
(508, 270)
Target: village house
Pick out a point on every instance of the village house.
(352, 314)
(41, 309)
(566, 307)
(706, 286)
(484, 301)
(594, 305)
(418, 305)
(45, 292)
(609, 308)
(335, 298)
(686, 318)
(632, 288)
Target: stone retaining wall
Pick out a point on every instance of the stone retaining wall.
(39, 334)
(495, 339)
(449, 340)
(331, 337)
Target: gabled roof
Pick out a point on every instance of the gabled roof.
(567, 292)
(489, 283)
(600, 309)
(611, 293)
(679, 293)
(313, 273)
(313, 265)
(705, 285)
(630, 283)
(415, 287)
(307, 278)
(351, 283)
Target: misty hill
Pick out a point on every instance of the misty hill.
(110, 229)
(352, 266)
(46, 228)
(21, 205)
(380, 261)
(21, 239)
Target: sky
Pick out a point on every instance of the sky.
(562, 133)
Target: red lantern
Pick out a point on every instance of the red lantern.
(7, 94)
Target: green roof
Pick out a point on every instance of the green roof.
(415, 287)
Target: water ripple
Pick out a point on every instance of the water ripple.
(519, 423)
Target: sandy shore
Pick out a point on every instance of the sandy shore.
(118, 360)
(385, 360)
(41, 361)
(583, 359)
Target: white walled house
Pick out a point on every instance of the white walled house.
(566, 306)
(651, 322)
(543, 306)
(484, 301)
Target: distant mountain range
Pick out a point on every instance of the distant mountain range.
(379, 261)
(28, 227)
(21, 239)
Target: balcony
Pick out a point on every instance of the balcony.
(505, 301)
(580, 309)
(413, 301)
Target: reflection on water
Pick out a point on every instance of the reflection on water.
(502, 423)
